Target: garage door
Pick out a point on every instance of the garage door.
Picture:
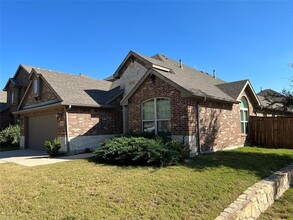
(41, 129)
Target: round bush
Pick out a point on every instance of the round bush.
(140, 151)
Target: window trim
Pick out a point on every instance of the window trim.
(36, 87)
(156, 120)
(12, 97)
(246, 122)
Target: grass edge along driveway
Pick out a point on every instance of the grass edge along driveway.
(83, 189)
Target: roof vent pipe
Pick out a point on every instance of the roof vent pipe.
(214, 74)
(181, 65)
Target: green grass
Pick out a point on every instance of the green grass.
(281, 209)
(82, 189)
(8, 148)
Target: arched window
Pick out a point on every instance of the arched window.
(156, 115)
(244, 115)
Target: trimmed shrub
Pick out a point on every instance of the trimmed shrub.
(164, 136)
(10, 136)
(53, 147)
(140, 151)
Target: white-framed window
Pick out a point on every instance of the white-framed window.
(156, 115)
(36, 87)
(244, 115)
(11, 97)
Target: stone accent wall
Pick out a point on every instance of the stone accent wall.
(182, 109)
(80, 143)
(22, 142)
(257, 198)
(46, 94)
(131, 76)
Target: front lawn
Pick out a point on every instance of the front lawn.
(282, 208)
(82, 189)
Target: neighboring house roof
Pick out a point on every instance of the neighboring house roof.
(15, 81)
(78, 90)
(195, 82)
(3, 100)
(3, 96)
(272, 100)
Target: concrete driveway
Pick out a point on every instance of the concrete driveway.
(30, 157)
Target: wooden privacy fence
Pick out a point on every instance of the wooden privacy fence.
(272, 132)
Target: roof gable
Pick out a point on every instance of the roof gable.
(236, 89)
(27, 69)
(197, 83)
(47, 94)
(79, 90)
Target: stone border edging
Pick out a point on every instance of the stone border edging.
(257, 198)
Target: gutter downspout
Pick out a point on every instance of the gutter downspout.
(199, 151)
(67, 130)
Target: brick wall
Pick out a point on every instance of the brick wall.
(11, 88)
(6, 116)
(22, 76)
(182, 109)
(219, 123)
(46, 94)
(94, 121)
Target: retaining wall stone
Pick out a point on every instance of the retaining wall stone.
(257, 198)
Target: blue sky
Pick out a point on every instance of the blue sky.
(240, 39)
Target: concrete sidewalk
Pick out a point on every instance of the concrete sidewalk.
(30, 157)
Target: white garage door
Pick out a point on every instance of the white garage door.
(41, 129)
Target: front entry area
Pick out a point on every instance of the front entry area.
(40, 129)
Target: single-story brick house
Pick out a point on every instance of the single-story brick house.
(153, 94)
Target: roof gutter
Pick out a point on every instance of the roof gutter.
(36, 108)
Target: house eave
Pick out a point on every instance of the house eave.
(88, 105)
(19, 112)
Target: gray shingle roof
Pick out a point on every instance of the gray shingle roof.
(271, 99)
(232, 88)
(79, 90)
(197, 82)
(27, 67)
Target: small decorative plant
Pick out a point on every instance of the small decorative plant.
(53, 147)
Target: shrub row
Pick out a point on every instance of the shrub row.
(129, 150)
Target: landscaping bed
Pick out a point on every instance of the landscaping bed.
(198, 189)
